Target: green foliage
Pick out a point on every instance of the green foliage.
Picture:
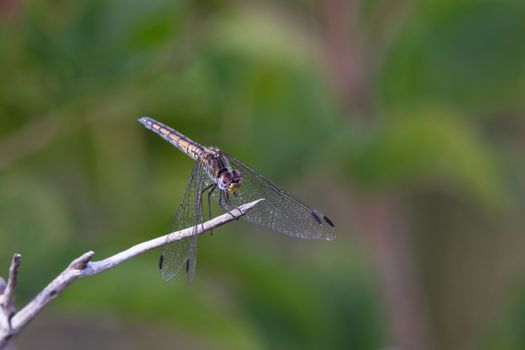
(468, 54)
(434, 145)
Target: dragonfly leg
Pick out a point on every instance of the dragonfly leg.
(225, 195)
(227, 201)
(210, 190)
(209, 199)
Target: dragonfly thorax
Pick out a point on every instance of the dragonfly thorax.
(219, 169)
(229, 180)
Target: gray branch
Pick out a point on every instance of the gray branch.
(12, 323)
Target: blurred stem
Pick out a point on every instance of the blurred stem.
(8, 8)
(385, 236)
(351, 68)
(345, 54)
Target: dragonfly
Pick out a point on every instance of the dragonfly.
(230, 182)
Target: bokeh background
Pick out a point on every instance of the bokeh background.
(402, 120)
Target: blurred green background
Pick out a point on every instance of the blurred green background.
(401, 120)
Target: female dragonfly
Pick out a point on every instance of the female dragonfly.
(231, 183)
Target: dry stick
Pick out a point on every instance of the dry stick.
(7, 299)
(83, 266)
(9, 292)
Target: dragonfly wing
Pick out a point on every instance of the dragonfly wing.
(279, 211)
(183, 253)
(174, 256)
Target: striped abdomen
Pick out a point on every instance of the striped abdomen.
(191, 148)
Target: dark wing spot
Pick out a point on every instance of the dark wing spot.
(316, 217)
(187, 265)
(328, 221)
(161, 261)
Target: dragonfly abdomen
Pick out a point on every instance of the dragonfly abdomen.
(189, 147)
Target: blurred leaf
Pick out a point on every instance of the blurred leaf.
(468, 53)
(260, 33)
(430, 145)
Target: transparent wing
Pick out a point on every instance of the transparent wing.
(182, 253)
(279, 211)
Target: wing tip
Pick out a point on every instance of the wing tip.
(328, 221)
(317, 217)
(330, 236)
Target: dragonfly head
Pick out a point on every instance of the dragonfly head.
(230, 180)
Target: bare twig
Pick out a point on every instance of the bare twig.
(9, 292)
(83, 266)
(7, 297)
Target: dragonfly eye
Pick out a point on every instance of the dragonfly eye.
(237, 177)
(225, 179)
(235, 181)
